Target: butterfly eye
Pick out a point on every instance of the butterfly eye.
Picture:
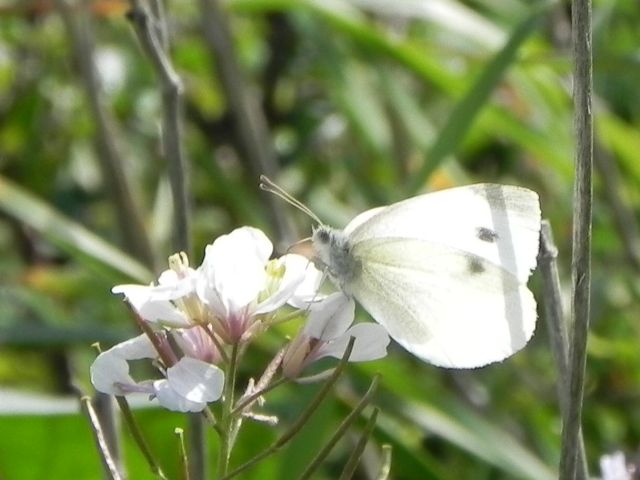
(323, 236)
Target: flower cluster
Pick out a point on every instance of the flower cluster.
(192, 317)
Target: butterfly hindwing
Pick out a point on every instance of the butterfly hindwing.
(447, 306)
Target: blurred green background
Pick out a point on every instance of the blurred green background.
(363, 102)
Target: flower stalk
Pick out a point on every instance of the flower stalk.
(139, 437)
(342, 429)
(226, 418)
(302, 420)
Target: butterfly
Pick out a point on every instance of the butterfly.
(445, 273)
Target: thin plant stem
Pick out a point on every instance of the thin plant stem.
(554, 316)
(197, 433)
(385, 467)
(107, 146)
(623, 215)
(341, 430)
(103, 405)
(257, 394)
(139, 437)
(297, 426)
(150, 28)
(183, 458)
(350, 468)
(250, 123)
(172, 91)
(226, 419)
(556, 325)
(161, 30)
(581, 253)
(108, 462)
(264, 384)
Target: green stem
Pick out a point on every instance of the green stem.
(226, 420)
(297, 426)
(183, 458)
(350, 468)
(139, 437)
(254, 396)
(342, 429)
(385, 463)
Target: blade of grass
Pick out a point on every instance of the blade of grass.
(477, 96)
(408, 414)
(417, 58)
(477, 436)
(128, 214)
(66, 234)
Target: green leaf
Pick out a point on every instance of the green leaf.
(477, 96)
(68, 235)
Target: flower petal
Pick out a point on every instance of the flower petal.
(196, 343)
(307, 290)
(182, 283)
(135, 348)
(107, 371)
(195, 380)
(330, 317)
(111, 368)
(149, 303)
(172, 400)
(233, 270)
(371, 341)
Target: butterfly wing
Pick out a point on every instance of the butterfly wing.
(497, 223)
(447, 306)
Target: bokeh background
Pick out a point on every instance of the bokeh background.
(348, 105)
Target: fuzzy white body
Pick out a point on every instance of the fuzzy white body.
(445, 273)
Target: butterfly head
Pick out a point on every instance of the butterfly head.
(333, 250)
(323, 238)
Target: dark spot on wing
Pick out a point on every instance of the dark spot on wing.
(486, 234)
(474, 265)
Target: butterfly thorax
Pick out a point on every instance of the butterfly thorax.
(334, 251)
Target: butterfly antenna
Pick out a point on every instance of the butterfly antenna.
(268, 186)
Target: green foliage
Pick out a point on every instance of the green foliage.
(367, 102)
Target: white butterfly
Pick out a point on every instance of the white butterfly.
(445, 273)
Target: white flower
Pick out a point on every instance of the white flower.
(237, 282)
(235, 286)
(171, 302)
(307, 292)
(190, 384)
(614, 467)
(327, 334)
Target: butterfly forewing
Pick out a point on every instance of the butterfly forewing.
(498, 223)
